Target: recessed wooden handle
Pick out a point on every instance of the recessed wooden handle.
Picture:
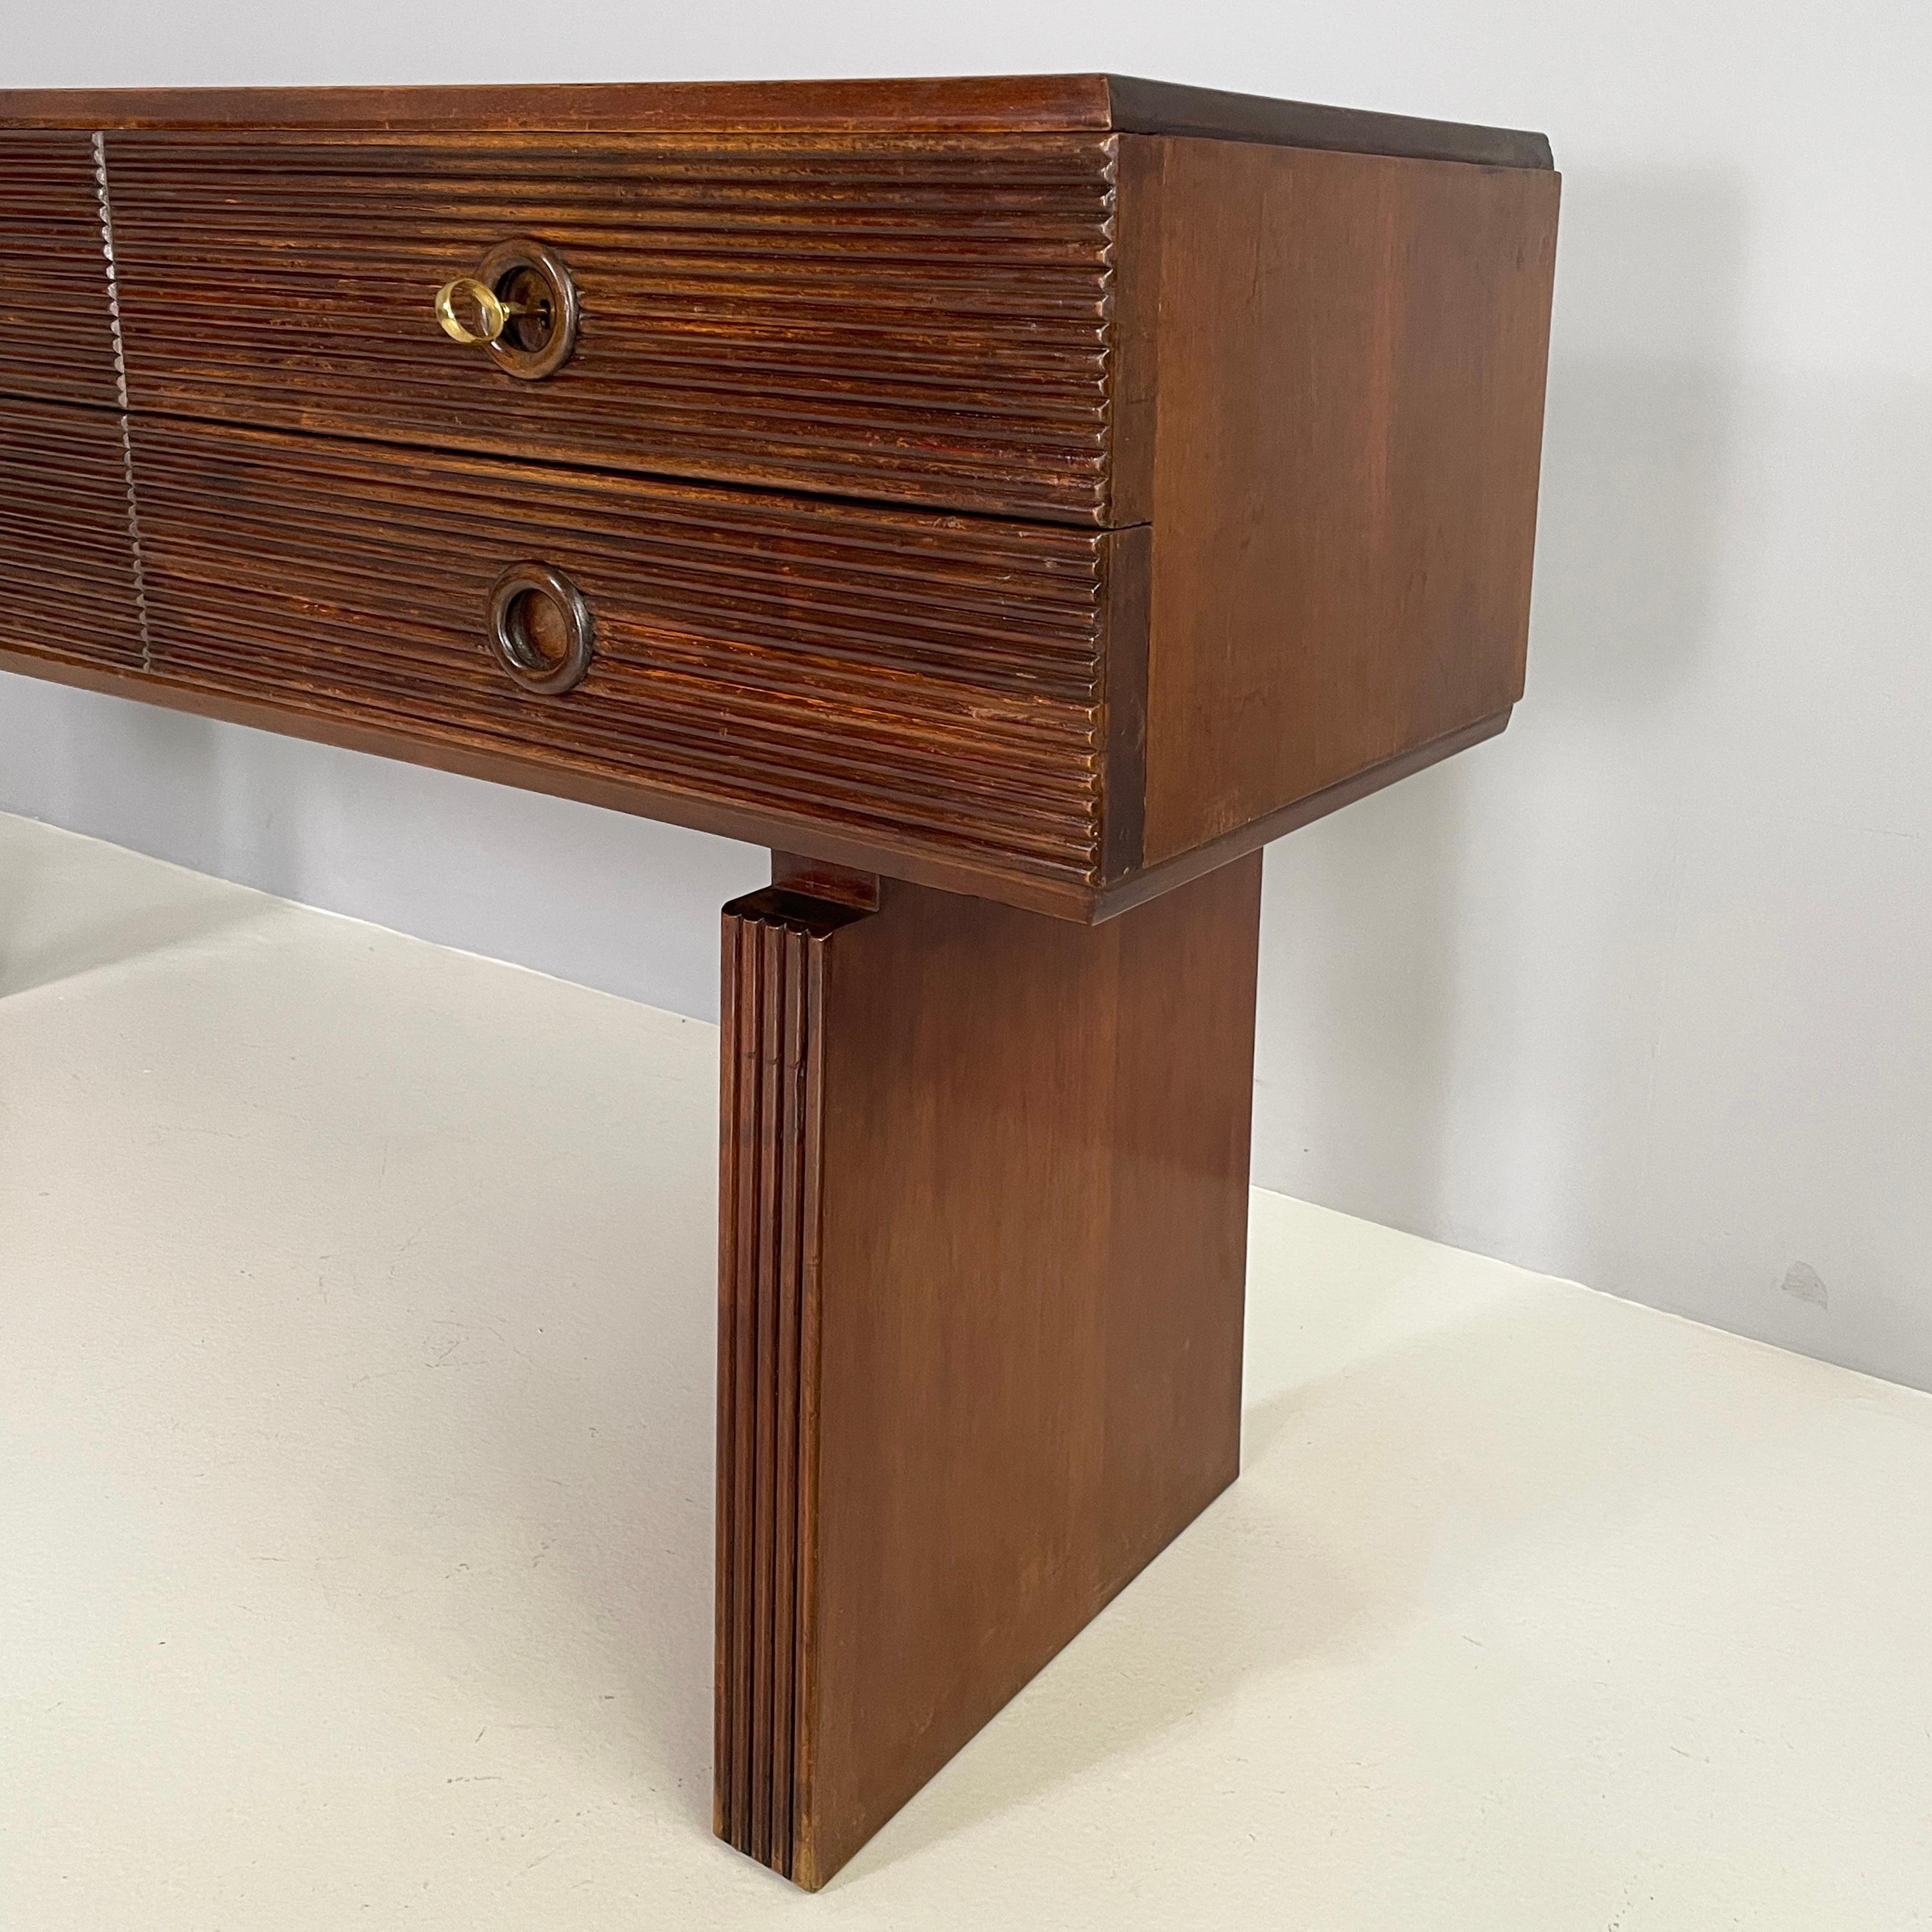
(541, 629)
(520, 306)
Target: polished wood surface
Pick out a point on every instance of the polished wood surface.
(984, 1197)
(973, 104)
(898, 318)
(920, 680)
(1292, 395)
(497, 761)
(1348, 369)
(1011, 501)
(56, 325)
(69, 593)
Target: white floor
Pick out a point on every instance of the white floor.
(355, 1385)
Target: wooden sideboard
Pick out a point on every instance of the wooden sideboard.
(1012, 502)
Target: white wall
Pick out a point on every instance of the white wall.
(1642, 992)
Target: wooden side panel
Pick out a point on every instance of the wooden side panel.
(1351, 357)
(56, 324)
(69, 587)
(932, 682)
(1019, 1291)
(913, 319)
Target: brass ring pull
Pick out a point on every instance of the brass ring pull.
(521, 307)
(541, 629)
(493, 312)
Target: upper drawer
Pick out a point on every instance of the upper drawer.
(916, 319)
(56, 329)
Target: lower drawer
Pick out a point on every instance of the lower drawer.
(911, 681)
(68, 590)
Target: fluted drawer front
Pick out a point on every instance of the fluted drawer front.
(914, 319)
(56, 328)
(923, 681)
(68, 587)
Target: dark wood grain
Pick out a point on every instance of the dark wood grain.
(771, 1112)
(1162, 107)
(1014, 502)
(481, 756)
(991, 1171)
(56, 324)
(908, 319)
(976, 104)
(1348, 369)
(921, 679)
(1312, 405)
(69, 591)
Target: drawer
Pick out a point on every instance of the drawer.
(908, 319)
(912, 682)
(56, 328)
(68, 590)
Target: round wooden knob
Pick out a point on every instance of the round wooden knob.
(520, 305)
(541, 629)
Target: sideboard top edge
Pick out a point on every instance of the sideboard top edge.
(1028, 104)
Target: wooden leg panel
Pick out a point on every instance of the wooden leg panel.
(984, 1210)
